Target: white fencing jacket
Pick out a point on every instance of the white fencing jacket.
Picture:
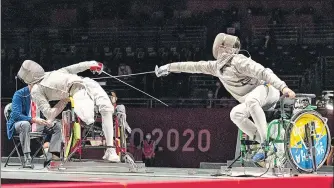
(239, 74)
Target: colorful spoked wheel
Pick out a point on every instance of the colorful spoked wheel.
(307, 129)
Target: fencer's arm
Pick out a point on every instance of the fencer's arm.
(253, 69)
(204, 67)
(79, 67)
(43, 104)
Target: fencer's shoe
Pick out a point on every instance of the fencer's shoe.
(261, 156)
(106, 154)
(111, 155)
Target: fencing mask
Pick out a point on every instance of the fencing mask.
(30, 72)
(225, 44)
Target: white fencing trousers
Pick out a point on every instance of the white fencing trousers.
(261, 98)
(84, 101)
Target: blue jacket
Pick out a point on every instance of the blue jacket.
(20, 109)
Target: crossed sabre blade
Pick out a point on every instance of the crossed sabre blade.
(117, 78)
(126, 75)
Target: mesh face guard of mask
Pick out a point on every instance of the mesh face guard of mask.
(225, 43)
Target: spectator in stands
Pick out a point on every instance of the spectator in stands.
(175, 55)
(210, 101)
(269, 41)
(219, 90)
(151, 58)
(140, 60)
(219, 93)
(183, 54)
(23, 120)
(113, 98)
(276, 17)
(107, 52)
(124, 69)
(97, 53)
(164, 56)
(22, 54)
(235, 21)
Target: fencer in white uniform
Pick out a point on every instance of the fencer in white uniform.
(86, 93)
(256, 88)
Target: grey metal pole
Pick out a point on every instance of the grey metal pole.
(237, 147)
(15, 83)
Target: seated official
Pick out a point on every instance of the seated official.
(23, 120)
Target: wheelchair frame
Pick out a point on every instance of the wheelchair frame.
(75, 142)
(285, 123)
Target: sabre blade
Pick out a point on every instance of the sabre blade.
(126, 75)
(134, 88)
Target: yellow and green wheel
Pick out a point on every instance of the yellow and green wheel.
(298, 145)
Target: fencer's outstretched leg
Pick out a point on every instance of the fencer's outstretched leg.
(108, 129)
(240, 117)
(263, 96)
(84, 107)
(106, 109)
(260, 97)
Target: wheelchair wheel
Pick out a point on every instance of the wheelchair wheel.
(299, 141)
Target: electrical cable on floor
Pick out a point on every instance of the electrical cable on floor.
(265, 171)
(248, 175)
(253, 176)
